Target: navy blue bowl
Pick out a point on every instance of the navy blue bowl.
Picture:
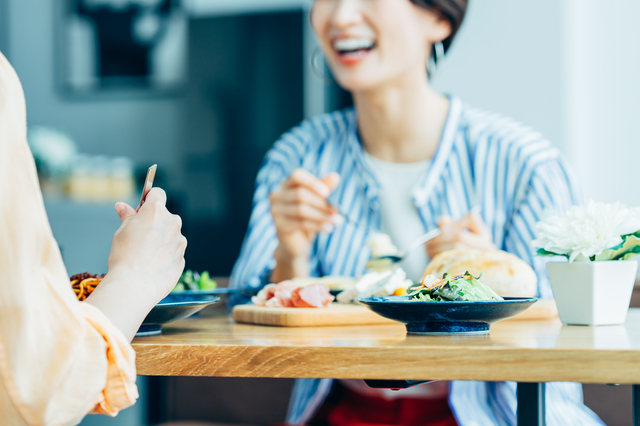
(447, 317)
(219, 291)
(172, 308)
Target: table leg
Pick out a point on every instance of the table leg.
(157, 388)
(636, 405)
(531, 404)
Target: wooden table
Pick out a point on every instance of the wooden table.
(528, 352)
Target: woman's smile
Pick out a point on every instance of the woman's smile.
(352, 50)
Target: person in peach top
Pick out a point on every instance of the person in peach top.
(61, 359)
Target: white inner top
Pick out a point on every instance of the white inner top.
(401, 221)
(399, 215)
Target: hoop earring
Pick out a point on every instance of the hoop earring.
(318, 65)
(436, 58)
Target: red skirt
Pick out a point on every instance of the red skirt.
(345, 407)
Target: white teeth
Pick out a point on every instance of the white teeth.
(353, 44)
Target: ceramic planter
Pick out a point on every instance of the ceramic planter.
(593, 293)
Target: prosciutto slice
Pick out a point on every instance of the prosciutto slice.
(275, 295)
(264, 295)
(288, 294)
(312, 296)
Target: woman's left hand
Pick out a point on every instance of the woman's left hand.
(468, 233)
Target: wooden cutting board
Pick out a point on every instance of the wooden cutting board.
(335, 314)
(543, 309)
(340, 314)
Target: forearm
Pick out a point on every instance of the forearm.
(124, 302)
(288, 267)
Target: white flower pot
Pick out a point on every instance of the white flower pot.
(593, 293)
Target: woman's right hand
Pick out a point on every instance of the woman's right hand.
(145, 262)
(149, 245)
(300, 210)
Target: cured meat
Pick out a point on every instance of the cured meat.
(275, 295)
(288, 294)
(283, 293)
(312, 296)
(264, 295)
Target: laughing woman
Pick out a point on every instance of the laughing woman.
(405, 160)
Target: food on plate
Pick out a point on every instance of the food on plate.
(451, 288)
(381, 245)
(190, 280)
(503, 272)
(333, 282)
(84, 284)
(400, 292)
(275, 295)
(376, 284)
(289, 294)
(312, 296)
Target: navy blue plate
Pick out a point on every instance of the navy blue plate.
(447, 317)
(172, 308)
(219, 291)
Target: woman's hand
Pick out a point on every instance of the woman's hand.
(300, 210)
(469, 233)
(145, 262)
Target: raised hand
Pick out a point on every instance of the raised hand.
(468, 233)
(300, 210)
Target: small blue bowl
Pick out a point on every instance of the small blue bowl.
(447, 317)
(218, 291)
(172, 308)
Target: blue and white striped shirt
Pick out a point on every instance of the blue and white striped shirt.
(484, 159)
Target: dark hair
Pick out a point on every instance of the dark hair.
(451, 10)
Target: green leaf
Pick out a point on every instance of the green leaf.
(543, 252)
(206, 283)
(607, 254)
(629, 248)
(629, 256)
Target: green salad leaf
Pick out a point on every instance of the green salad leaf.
(464, 287)
(205, 282)
(190, 280)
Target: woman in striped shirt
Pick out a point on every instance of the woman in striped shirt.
(405, 160)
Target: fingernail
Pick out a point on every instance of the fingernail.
(323, 190)
(336, 219)
(119, 208)
(327, 227)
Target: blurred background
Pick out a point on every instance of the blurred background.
(204, 87)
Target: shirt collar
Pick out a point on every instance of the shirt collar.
(428, 182)
(356, 150)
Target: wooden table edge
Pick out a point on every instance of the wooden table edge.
(513, 364)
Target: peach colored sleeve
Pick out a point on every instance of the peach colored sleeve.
(59, 359)
(120, 391)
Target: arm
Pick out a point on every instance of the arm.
(300, 210)
(551, 187)
(146, 260)
(59, 359)
(289, 209)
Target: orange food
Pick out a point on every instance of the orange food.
(400, 292)
(84, 284)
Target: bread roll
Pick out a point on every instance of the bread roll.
(505, 273)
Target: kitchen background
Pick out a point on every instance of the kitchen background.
(225, 77)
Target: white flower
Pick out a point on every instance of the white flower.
(583, 232)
